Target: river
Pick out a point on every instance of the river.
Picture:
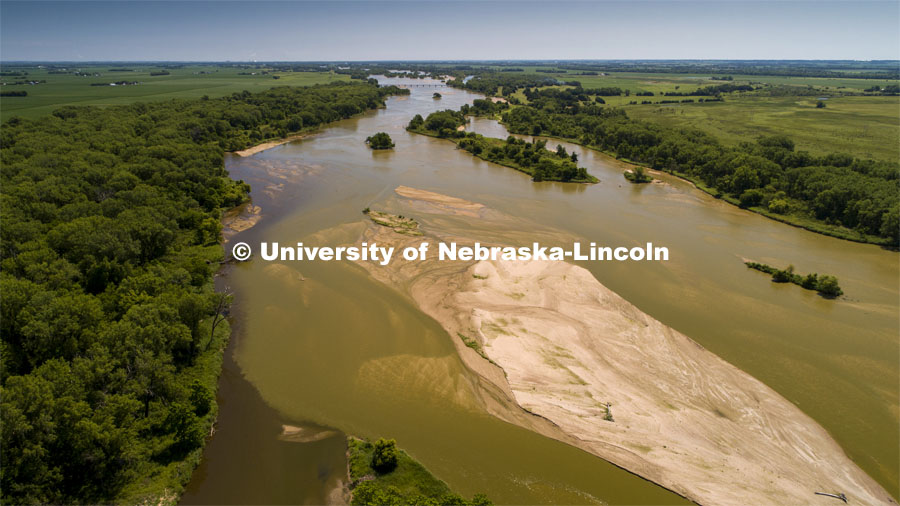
(323, 344)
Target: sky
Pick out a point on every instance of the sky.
(442, 30)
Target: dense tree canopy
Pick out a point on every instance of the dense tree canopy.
(109, 238)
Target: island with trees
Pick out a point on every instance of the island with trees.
(380, 474)
(826, 285)
(532, 158)
(381, 140)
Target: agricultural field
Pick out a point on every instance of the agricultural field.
(182, 82)
(863, 126)
(866, 126)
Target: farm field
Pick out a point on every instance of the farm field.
(182, 82)
(649, 81)
(866, 126)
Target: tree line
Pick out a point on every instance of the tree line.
(532, 158)
(769, 174)
(109, 237)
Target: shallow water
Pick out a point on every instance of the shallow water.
(324, 343)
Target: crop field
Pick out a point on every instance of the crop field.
(642, 81)
(864, 126)
(867, 127)
(183, 82)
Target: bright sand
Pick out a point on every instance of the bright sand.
(557, 343)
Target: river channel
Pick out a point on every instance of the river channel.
(324, 347)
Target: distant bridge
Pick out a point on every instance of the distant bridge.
(441, 85)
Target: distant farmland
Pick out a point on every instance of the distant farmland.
(193, 81)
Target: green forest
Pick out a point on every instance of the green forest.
(532, 158)
(110, 237)
(836, 194)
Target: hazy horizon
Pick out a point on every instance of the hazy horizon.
(447, 31)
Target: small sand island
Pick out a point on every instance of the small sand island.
(399, 224)
(561, 354)
(637, 175)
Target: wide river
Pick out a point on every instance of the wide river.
(341, 353)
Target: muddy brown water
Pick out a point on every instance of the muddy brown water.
(321, 344)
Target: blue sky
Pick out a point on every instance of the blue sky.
(374, 30)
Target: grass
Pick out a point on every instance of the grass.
(183, 82)
(663, 81)
(863, 126)
(472, 343)
(410, 477)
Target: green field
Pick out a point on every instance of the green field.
(643, 81)
(182, 82)
(866, 126)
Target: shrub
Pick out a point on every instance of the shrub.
(779, 206)
(384, 458)
(783, 275)
(751, 198)
(828, 286)
(810, 281)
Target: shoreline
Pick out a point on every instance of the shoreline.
(266, 145)
(558, 344)
(799, 222)
(302, 134)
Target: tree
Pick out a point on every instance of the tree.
(109, 236)
(828, 286)
(416, 122)
(810, 281)
(186, 427)
(381, 140)
(385, 456)
(752, 197)
(744, 178)
(201, 398)
(783, 275)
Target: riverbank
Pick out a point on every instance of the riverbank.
(614, 381)
(270, 144)
(804, 222)
(306, 131)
